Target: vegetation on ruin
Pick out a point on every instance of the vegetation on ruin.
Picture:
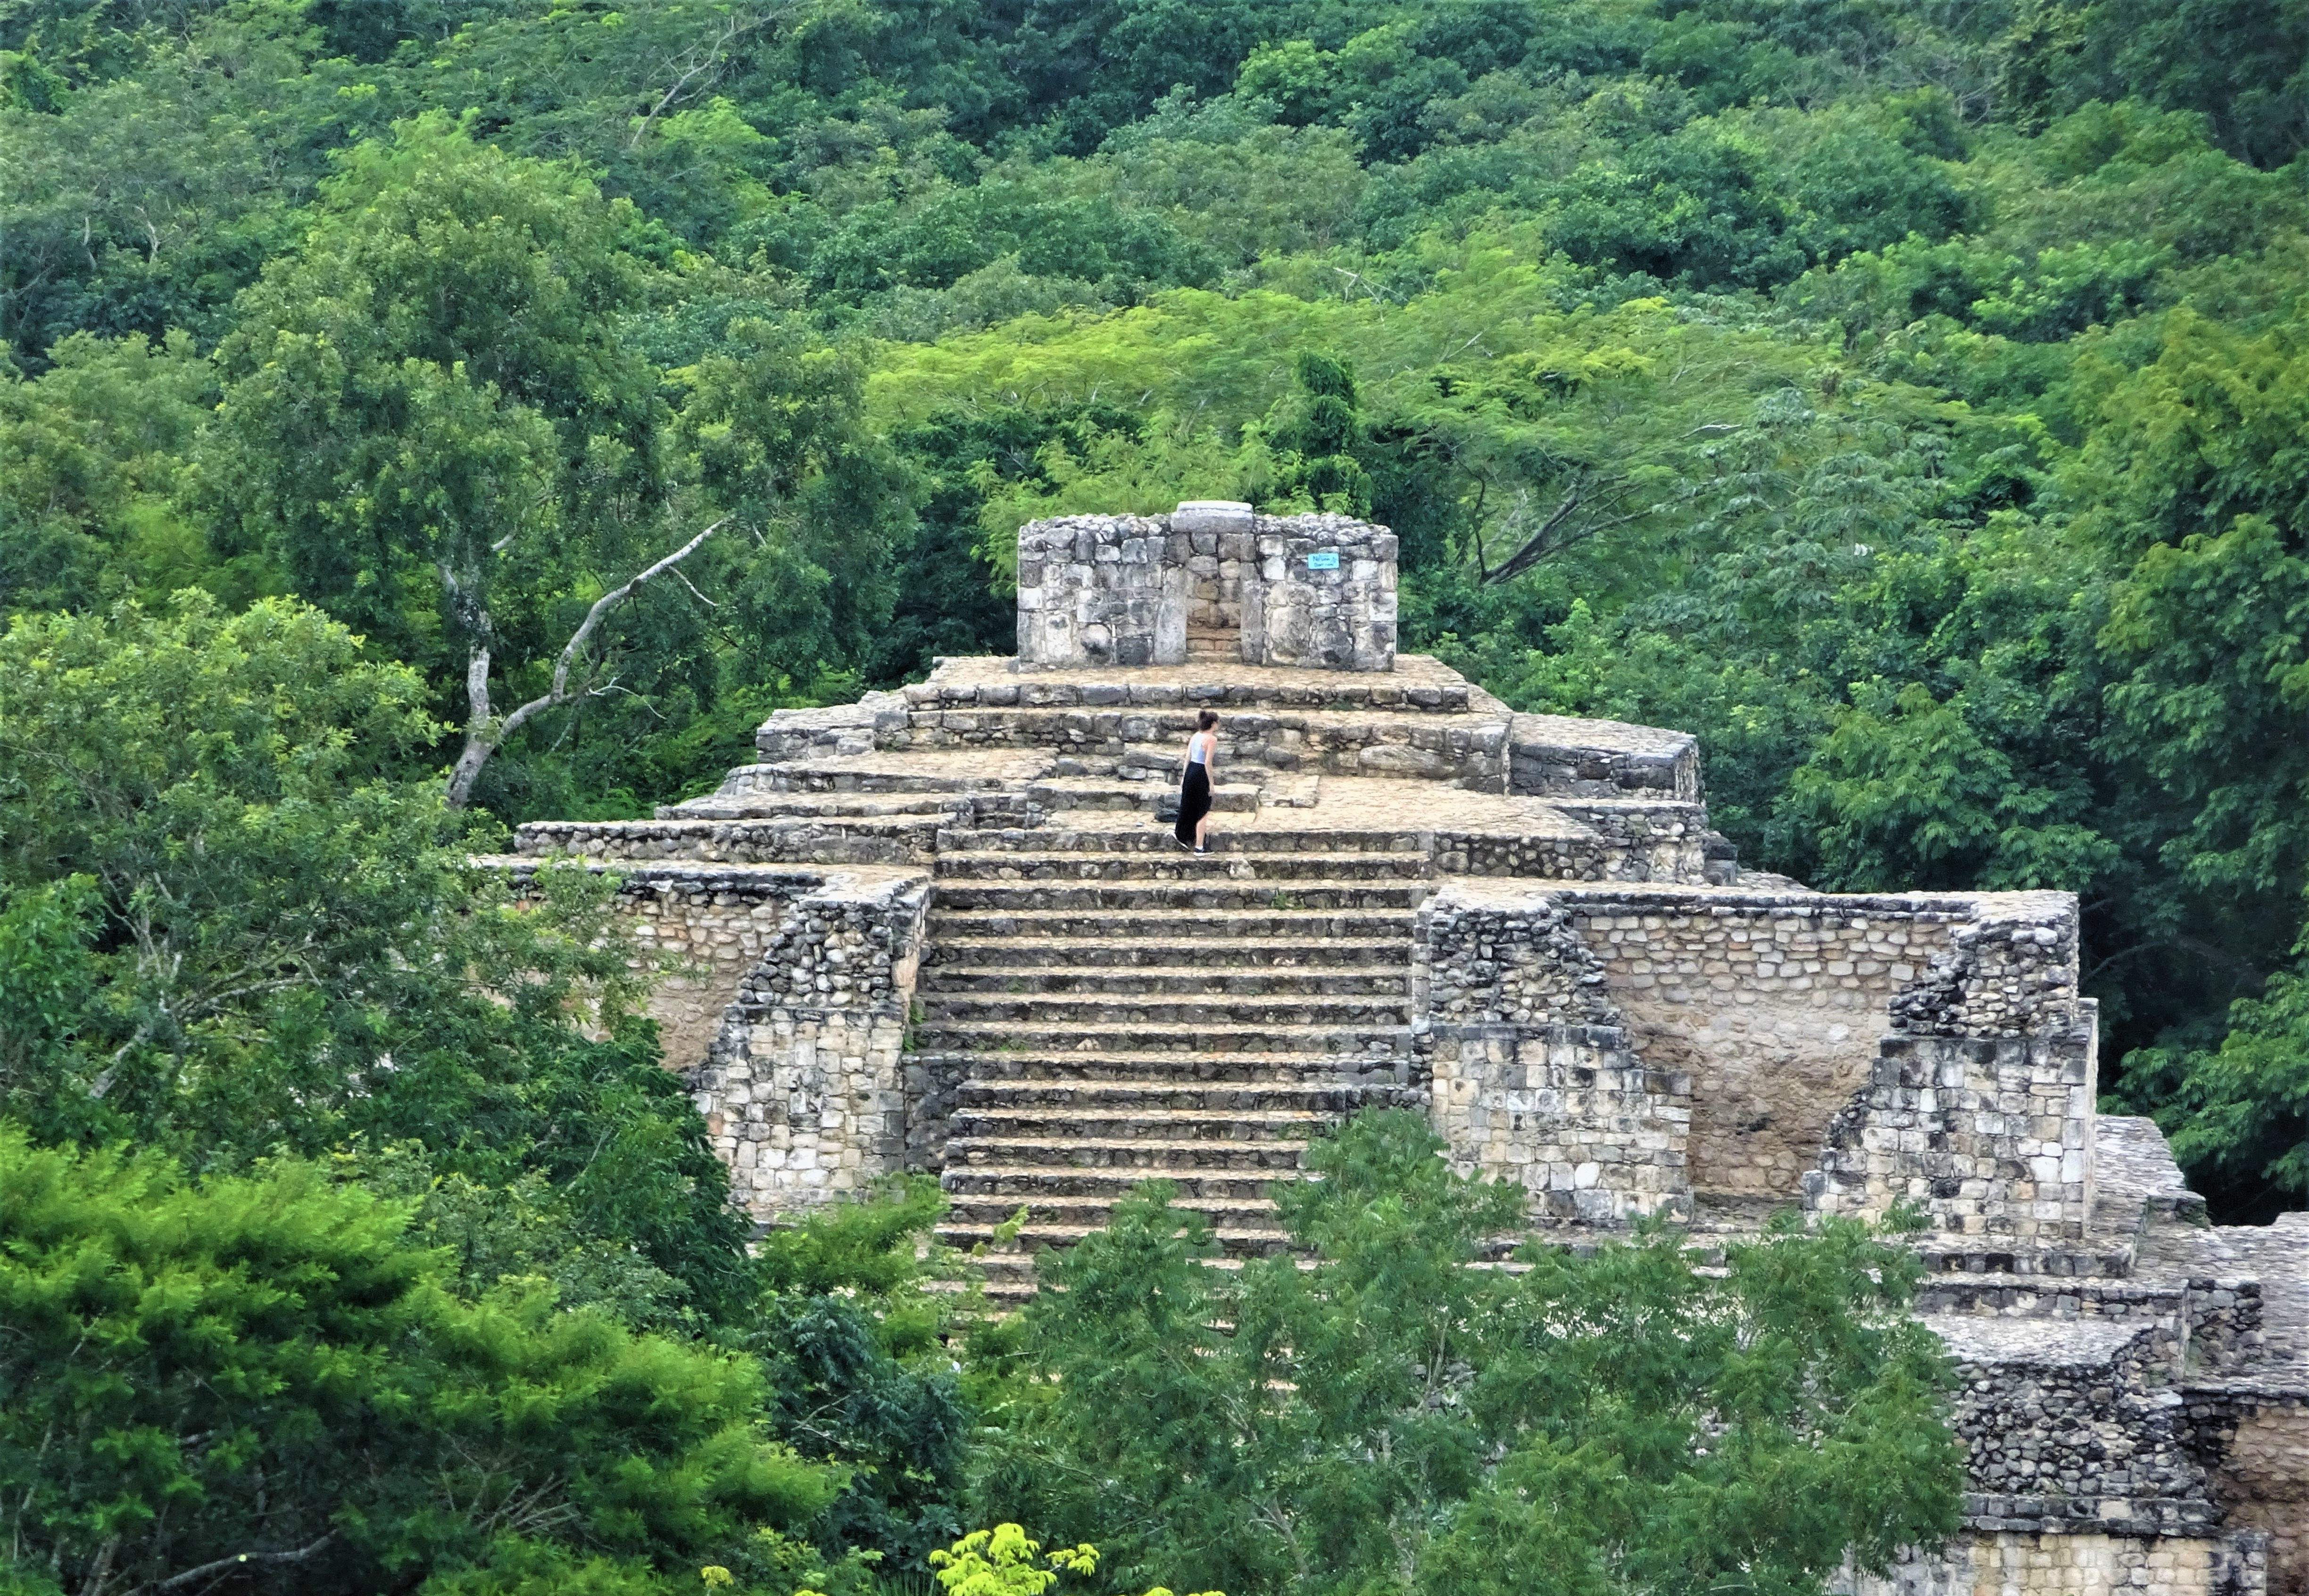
(1906, 399)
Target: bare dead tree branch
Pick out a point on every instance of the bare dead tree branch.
(484, 733)
(242, 1559)
(700, 67)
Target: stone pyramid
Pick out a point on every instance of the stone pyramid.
(945, 929)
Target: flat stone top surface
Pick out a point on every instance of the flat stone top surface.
(1377, 804)
(994, 671)
(837, 880)
(2044, 1343)
(1625, 736)
(1641, 896)
(2131, 1160)
(985, 765)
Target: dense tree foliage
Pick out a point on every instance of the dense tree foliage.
(423, 1272)
(1392, 1418)
(262, 1382)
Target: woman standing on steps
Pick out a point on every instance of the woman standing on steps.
(1194, 827)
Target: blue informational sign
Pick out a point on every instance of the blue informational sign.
(1323, 559)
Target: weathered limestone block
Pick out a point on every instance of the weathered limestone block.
(1100, 590)
(1324, 595)
(839, 729)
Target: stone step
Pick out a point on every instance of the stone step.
(746, 794)
(1093, 1214)
(1153, 864)
(912, 771)
(1063, 794)
(1238, 1241)
(1101, 742)
(1372, 980)
(1381, 1073)
(1140, 1095)
(936, 1035)
(1218, 894)
(1177, 932)
(1416, 685)
(1008, 1278)
(984, 1186)
(1045, 1010)
(1201, 1157)
(1300, 947)
(1262, 840)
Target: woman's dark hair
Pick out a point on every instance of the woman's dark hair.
(1206, 719)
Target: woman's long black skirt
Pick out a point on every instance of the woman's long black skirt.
(1194, 802)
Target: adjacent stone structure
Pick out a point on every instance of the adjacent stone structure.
(942, 929)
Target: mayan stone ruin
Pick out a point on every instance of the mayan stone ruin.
(941, 929)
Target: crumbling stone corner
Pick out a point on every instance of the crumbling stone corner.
(803, 1093)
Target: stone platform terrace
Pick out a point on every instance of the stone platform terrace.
(943, 929)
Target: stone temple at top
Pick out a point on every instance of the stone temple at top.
(942, 929)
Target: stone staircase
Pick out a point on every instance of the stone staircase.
(1106, 1008)
(1213, 646)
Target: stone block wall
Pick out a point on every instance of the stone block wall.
(2218, 1319)
(801, 839)
(1221, 562)
(1340, 617)
(715, 921)
(1979, 1106)
(1556, 756)
(803, 1093)
(1531, 1075)
(1989, 1137)
(834, 730)
(1124, 589)
(2086, 1563)
(1568, 1112)
(1773, 1004)
(1768, 1013)
(1102, 590)
(1664, 841)
(1619, 840)
(2012, 971)
(1486, 956)
(2260, 1435)
(2075, 1424)
(1566, 855)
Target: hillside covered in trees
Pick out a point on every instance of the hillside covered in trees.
(1905, 398)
